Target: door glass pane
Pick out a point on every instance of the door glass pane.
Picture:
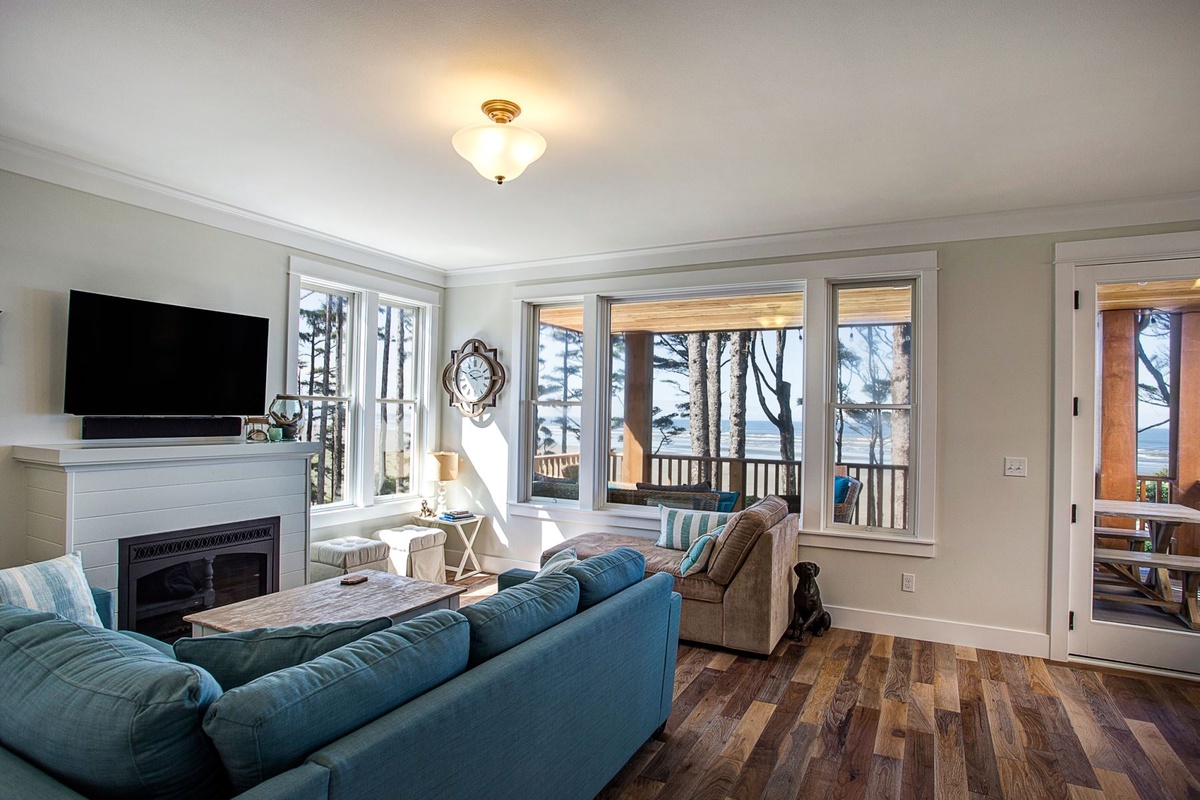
(393, 449)
(395, 368)
(874, 344)
(324, 347)
(1148, 365)
(327, 422)
(705, 400)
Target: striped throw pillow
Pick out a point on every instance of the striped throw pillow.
(698, 554)
(678, 528)
(57, 585)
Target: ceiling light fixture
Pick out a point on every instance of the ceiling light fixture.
(499, 151)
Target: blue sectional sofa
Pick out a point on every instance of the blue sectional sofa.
(553, 715)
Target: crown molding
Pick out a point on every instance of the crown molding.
(1023, 222)
(74, 173)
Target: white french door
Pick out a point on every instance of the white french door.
(1123, 631)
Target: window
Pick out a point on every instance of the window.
(396, 406)
(691, 389)
(324, 380)
(558, 394)
(705, 400)
(360, 368)
(871, 419)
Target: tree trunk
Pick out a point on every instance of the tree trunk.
(787, 430)
(712, 386)
(739, 342)
(697, 407)
(901, 379)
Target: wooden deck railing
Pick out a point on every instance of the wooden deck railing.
(1153, 489)
(882, 503)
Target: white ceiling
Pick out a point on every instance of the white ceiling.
(668, 122)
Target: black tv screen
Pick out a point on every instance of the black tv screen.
(137, 358)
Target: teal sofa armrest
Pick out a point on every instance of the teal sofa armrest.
(104, 605)
(308, 781)
(23, 781)
(514, 577)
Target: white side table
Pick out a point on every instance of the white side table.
(468, 529)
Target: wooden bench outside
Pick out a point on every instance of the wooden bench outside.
(1187, 566)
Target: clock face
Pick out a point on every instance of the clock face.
(473, 377)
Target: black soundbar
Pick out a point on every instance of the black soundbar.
(160, 427)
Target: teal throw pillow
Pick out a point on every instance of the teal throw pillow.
(602, 576)
(559, 561)
(841, 488)
(678, 528)
(107, 715)
(235, 659)
(13, 618)
(699, 553)
(57, 585)
(504, 620)
(274, 723)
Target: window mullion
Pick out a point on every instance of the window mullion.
(366, 382)
(592, 453)
(813, 452)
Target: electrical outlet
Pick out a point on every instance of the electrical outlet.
(1016, 467)
(908, 582)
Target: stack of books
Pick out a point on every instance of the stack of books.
(456, 515)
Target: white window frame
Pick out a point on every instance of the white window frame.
(369, 289)
(815, 279)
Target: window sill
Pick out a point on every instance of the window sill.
(351, 514)
(868, 543)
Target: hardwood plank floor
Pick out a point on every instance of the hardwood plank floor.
(855, 715)
(852, 715)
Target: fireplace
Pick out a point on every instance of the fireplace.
(163, 577)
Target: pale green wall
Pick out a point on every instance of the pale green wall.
(53, 239)
(994, 385)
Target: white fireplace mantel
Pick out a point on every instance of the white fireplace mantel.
(85, 498)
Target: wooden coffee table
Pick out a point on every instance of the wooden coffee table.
(382, 595)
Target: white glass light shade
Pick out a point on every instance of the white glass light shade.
(499, 152)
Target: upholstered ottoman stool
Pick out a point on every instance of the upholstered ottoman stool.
(416, 552)
(334, 557)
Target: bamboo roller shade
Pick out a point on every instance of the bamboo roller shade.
(869, 305)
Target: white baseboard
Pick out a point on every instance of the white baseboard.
(491, 564)
(1026, 643)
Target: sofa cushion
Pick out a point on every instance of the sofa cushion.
(658, 559)
(600, 577)
(13, 618)
(558, 562)
(107, 715)
(235, 659)
(272, 724)
(679, 528)
(740, 535)
(56, 585)
(507, 618)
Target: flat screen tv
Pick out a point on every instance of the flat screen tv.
(134, 358)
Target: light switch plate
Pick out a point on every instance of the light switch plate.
(1016, 467)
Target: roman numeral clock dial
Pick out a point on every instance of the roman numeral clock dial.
(473, 378)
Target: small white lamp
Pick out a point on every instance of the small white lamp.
(443, 465)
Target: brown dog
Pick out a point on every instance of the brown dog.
(808, 613)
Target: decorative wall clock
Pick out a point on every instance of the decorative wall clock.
(474, 377)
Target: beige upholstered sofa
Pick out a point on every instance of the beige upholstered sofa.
(743, 601)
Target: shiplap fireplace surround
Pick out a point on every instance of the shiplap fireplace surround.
(87, 498)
